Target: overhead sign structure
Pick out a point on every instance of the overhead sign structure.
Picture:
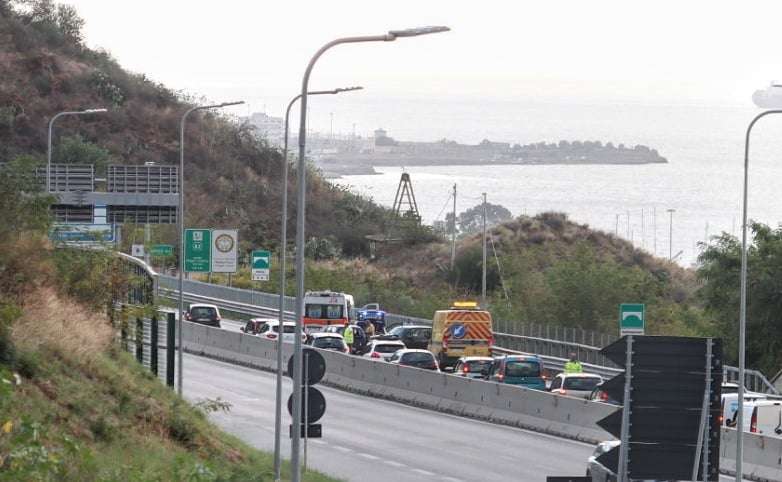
(198, 243)
(261, 262)
(669, 425)
(224, 250)
(161, 250)
(632, 320)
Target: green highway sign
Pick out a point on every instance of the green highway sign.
(261, 260)
(161, 250)
(632, 319)
(198, 250)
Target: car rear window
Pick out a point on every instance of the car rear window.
(387, 348)
(285, 328)
(203, 312)
(478, 365)
(581, 383)
(328, 342)
(520, 368)
(417, 357)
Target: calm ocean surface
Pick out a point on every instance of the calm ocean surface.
(702, 180)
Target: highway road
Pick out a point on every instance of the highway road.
(369, 439)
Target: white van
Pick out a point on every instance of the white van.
(730, 404)
(761, 417)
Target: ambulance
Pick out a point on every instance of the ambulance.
(324, 308)
(462, 330)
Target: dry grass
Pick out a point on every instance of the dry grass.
(50, 321)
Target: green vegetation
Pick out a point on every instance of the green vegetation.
(719, 270)
(73, 406)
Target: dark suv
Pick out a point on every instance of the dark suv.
(413, 336)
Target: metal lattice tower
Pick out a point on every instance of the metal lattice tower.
(405, 197)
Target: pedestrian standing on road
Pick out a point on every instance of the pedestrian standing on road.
(347, 335)
(573, 365)
(370, 330)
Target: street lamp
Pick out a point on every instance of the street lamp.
(283, 244)
(181, 221)
(300, 217)
(670, 235)
(743, 301)
(49, 142)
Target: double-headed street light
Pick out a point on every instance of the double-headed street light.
(181, 221)
(283, 245)
(49, 141)
(300, 217)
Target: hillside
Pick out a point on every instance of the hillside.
(233, 178)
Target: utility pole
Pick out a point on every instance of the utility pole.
(628, 224)
(616, 228)
(453, 230)
(147, 240)
(670, 236)
(654, 226)
(483, 274)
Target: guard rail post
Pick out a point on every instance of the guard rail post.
(139, 340)
(170, 346)
(153, 335)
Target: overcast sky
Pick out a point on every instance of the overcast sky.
(597, 51)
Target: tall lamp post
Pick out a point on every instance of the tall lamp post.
(300, 217)
(49, 141)
(743, 300)
(181, 228)
(283, 245)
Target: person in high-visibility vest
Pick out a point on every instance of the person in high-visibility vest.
(573, 365)
(347, 335)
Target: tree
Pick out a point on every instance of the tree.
(719, 270)
(75, 150)
(471, 221)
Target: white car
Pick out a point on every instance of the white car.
(328, 341)
(579, 385)
(601, 473)
(423, 359)
(383, 349)
(269, 328)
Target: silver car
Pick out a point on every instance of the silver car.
(472, 366)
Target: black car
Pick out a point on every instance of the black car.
(413, 336)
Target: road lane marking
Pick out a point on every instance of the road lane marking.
(424, 472)
(368, 456)
(393, 463)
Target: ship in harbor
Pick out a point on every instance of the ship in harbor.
(360, 155)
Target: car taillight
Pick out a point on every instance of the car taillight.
(271, 336)
(445, 343)
(491, 341)
(375, 355)
(603, 396)
(500, 376)
(753, 425)
(218, 318)
(466, 368)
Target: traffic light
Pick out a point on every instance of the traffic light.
(670, 387)
(313, 401)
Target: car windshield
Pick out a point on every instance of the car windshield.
(417, 357)
(581, 383)
(328, 342)
(522, 368)
(203, 312)
(285, 328)
(397, 331)
(387, 348)
(324, 312)
(478, 365)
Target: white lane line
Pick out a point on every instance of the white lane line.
(393, 463)
(424, 472)
(368, 456)
(342, 449)
(316, 441)
(450, 479)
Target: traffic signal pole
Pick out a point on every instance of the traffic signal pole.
(624, 447)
